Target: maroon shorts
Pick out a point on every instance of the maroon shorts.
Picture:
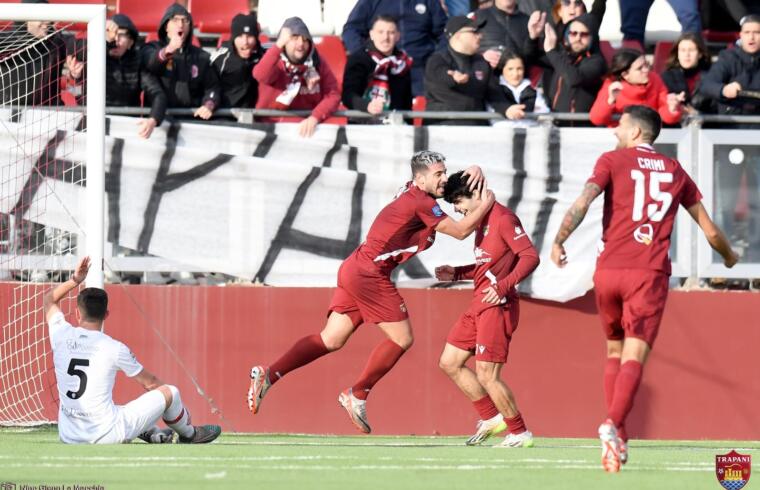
(487, 333)
(631, 302)
(366, 296)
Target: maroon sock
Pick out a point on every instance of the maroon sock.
(382, 359)
(625, 389)
(485, 408)
(516, 424)
(611, 370)
(300, 354)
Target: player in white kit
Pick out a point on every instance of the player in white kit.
(86, 362)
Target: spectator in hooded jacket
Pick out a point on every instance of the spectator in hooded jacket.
(184, 71)
(507, 30)
(735, 70)
(420, 23)
(574, 69)
(378, 78)
(631, 82)
(235, 60)
(565, 11)
(521, 96)
(687, 63)
(292, 76)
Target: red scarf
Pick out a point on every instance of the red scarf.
(299, 74)
(397, 63)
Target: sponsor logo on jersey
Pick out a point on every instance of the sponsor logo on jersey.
(437, 210)
(481, 256)
(480, 348)
(519, 232)
(733, 469)
(643, 234)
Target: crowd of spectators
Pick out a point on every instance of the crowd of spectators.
(511, 57)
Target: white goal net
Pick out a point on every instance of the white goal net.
(51, 185)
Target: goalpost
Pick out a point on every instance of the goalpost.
(52, 185)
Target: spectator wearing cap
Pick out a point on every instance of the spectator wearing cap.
(458, 78)
(420, 23)
(508, 30)
(183, 71)
(737, 70)
(378, 78)
(235, 60)
(632, 82)
(292, 76)
(574, 68)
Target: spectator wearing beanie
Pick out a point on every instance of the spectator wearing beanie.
(235, 60)
(184, 71)
(292, 76)
(378, 78)
(460, 79)
(631, 82)
(575, 68)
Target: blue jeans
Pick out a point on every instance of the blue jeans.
(458, 7)
(633, 17)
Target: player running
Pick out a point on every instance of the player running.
(365, 293)
(504, 256)
(642, 191)
(86, 362)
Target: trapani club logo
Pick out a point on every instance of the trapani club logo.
(733, 470)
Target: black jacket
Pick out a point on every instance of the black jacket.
(125, 80)
(573, 80)
(733, 65)
(444, 94)
(509, 31)
(676, 81)
(31, 75)
(359, 69)
(527, 97)
(187, 77)
(239, 88)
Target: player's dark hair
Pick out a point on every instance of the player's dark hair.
(93, 304)
(647, 119)
(424, 159)
(456, 188)
(384, 18)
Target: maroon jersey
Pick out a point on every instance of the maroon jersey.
(402, 229)
(499, 239)
(642, 191)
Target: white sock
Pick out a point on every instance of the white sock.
(177, 417)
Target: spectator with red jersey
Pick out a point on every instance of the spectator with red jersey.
(292, 76)
(642, 191)
(631, 82)
(504, 256)
(365, 292)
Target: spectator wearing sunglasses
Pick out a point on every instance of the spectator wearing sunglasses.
(634, 13)
(565, 11)
(687, 63)
(631, 82)
(574, 69)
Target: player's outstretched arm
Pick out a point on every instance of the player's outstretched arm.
(461, 229)
(147, 380)
(714, 234)
(572, 219)
(53, 296)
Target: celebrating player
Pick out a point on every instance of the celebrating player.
(365, 292)
(504, 256)
(642, 191)
(86, 362)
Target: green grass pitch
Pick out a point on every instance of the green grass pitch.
(34, 457)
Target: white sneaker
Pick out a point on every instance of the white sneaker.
(610, 449)
(486, 429)
(259, 386)
(357, 410)
(623, 451)
(523, 439)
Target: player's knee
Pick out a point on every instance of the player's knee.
(447, 366)
(333, 343)
(170, 393)
(405, 341)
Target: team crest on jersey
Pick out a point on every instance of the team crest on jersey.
(643, 234)
(437, 210)
(402, 307)
(733, 469)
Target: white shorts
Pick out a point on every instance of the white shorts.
(135, 417)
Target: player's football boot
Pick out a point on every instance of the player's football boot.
(623, 451)
(610, 449)
(259, 386)
(486, 429)
(157, 436)
(357, 410)
(203, 435)
(523, 439)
